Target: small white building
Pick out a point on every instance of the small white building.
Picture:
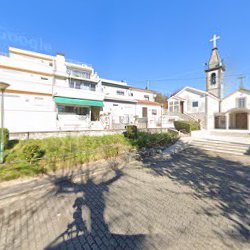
(50, 93)
(190, 103)
(210, 107)
(119, 104)
(147, 110)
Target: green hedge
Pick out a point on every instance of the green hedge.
(152, 140)
(186, 126)
(5, 136)
(131, 131)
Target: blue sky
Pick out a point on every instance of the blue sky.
(165, 42)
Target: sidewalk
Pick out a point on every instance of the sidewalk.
(13, 188)
(181, 144)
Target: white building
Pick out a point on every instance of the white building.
(50, 93)
(146, 108)
(213, 109)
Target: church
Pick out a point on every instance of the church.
(211, 107)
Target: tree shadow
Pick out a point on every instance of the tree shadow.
(224, 180)
(77, 234)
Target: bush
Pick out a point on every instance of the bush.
(131, 132)
(186, 126)
(151, 140)
(32, 152)
(5, 136)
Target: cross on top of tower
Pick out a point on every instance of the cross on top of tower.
(214, 39)
(241, 78)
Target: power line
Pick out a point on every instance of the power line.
(184, 79)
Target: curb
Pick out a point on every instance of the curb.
(50, 183)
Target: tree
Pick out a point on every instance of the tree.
(162, 99)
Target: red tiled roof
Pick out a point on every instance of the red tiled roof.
(146, 102)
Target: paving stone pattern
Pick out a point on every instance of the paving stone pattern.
(193, 200)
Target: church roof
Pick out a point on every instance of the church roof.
(247, 91)
(193, 90)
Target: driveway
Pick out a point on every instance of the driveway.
(194, 200)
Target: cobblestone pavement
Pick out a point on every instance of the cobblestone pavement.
(194, 200)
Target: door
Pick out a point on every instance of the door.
(182, 106)
(145, 112)
(241, 121)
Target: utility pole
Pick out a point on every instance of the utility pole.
(147, 86)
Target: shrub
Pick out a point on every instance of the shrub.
(186, 126)
(5, 136)
(32, 152)
(131, 132)
(151, 140)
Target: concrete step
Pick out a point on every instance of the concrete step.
(220, 151)
(222, 144)
(212, 148)
(221, 147)
(232, 133)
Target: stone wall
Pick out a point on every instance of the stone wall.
(41, 135)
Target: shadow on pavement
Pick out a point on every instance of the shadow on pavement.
(226, 181)
(77, 235)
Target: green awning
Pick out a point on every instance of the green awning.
(80, 102)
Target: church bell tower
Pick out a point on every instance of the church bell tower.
(214, 72)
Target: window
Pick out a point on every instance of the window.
(195, 104)
(154, 112)
(81, 111)
(241, 102)
(73, 110)
(44, 78)
(115, 105)
(176, 108)
(79, 84)
(119, 92)
(146, 97)
(65, 109)
(213, 79)
(171, 107)
(78, 73)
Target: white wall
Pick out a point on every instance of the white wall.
(25, 113)
(213, 107)
(230, 101)
(139, 95)
(26, 81)
(152, 119)
(118, 109)
(191, 97)
(112, 90)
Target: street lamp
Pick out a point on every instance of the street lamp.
(3, 86)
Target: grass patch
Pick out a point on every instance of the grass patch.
(33, 157)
